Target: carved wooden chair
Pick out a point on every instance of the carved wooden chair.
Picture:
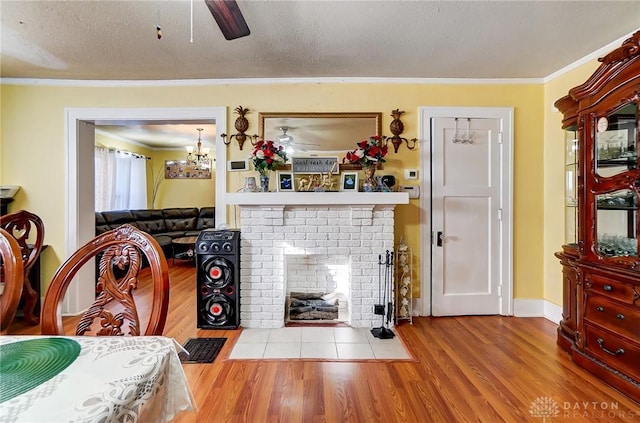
(28, 229)
(11, 276)
(119, 254)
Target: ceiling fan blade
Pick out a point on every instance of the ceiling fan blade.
(229, 18)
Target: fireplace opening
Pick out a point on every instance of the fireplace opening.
(312, 306)
(317, 289)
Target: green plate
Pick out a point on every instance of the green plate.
(27, 364)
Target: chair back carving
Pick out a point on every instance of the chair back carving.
(28, 230)
(118, 252)
(20, 224)
(11, 275)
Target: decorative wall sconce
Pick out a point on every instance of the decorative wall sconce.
(242, 124)
(397, 127)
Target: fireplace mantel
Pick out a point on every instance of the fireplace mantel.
(317, 198)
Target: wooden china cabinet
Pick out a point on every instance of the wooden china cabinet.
(600, 327)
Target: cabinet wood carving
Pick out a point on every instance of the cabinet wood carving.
(600, 324)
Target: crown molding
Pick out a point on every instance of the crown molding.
(588, 58)
(267, 81)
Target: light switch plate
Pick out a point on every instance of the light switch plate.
(413, 190)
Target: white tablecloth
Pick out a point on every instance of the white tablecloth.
(113, 379)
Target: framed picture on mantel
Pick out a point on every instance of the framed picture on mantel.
(349, 181)
(285, 181)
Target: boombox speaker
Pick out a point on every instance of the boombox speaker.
(218, 279)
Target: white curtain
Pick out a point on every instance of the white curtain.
(121, 180)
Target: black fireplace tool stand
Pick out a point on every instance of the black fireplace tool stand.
(385, 297)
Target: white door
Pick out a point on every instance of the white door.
(469, 198)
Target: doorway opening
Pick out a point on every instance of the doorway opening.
(80, 185)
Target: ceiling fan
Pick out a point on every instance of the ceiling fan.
(229, 18)
(284, 138)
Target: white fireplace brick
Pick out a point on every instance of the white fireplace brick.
(325, 231)
(306, 229)
(330, 228)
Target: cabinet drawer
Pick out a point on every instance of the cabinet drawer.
(611, 288)
(612, 350)
(621, 319)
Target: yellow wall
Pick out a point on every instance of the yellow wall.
(181, 192)
(554, 156)
(32, 145)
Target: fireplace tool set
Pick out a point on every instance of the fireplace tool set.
(385, 297)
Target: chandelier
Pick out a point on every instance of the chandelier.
(199, 156)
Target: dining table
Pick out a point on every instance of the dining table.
(92, 379)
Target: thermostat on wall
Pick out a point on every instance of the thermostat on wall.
(411, 174)
(237, 165)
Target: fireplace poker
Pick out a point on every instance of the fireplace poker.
(379, 308)
(384, 332)
(388, 278)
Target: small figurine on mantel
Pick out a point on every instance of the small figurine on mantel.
(327, 183)
(319, 182)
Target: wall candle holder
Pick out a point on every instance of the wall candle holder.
(241, 125)
(397, 127)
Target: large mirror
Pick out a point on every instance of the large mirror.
(319, 133)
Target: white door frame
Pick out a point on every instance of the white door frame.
(423, 307)
(79, 153)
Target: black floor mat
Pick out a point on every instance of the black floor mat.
(202, 350)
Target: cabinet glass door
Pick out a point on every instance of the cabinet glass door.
(571, 186)
(617, 227)
(616, 141)
(616, 153)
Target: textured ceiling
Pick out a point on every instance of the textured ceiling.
(110, 40)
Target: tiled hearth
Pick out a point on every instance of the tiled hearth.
(324, 343)
(355, 226)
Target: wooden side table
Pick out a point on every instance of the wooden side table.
(186, 246)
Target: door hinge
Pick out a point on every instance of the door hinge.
(500, 137)
(499, 290)
(499, 215)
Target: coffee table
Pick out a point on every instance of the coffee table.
(186, 247)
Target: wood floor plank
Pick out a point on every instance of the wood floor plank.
(466, 369)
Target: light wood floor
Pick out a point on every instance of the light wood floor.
(467, 369)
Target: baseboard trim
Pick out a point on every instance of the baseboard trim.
(537, 308)
(552, 312)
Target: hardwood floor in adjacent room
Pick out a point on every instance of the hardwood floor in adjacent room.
(466, 369)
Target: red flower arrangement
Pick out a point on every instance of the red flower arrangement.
(368, 153)
(267, 156)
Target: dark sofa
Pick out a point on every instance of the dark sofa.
(163, 224)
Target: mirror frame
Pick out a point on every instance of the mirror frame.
(320, 115)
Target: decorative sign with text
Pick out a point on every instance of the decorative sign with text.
(314, 164)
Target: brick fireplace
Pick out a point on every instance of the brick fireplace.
(281, 228)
